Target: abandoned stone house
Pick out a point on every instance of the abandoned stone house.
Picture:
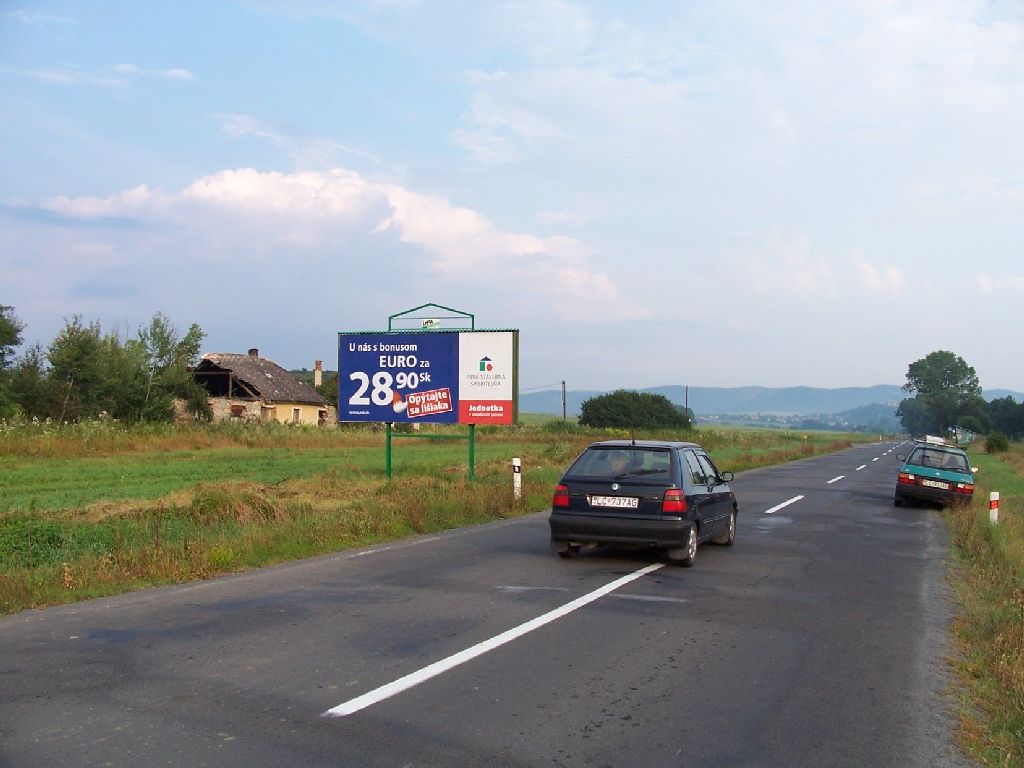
(253, 388)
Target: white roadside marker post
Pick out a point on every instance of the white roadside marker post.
(993, 507)
(517, 479)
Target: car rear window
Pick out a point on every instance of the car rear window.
(936, 459)
(614, 461)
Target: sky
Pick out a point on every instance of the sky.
(721, 194)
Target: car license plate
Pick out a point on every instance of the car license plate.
(628, 502)
(935, 484)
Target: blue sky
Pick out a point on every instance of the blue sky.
(713, 194)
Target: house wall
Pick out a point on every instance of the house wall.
(307, 414)
(225, 409)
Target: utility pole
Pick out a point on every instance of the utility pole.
(563, 400)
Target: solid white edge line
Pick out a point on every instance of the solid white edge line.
(777, 507)
(835, 479)
(438, 667)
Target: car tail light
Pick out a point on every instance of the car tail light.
(674, 502)
(965, 488)
(906, 477)
(561, 497)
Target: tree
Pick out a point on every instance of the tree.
(30, 385)
(166, 360)
(915, 417)
(629, 409)
(945, 388)
(942, 372)
(135, 380)
(1007, 416)
(10, 339)
(76, 370)
(328, 389)
(10, 336)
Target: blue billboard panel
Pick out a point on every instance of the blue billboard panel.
(398, 377)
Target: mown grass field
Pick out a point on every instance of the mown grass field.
(96, 509)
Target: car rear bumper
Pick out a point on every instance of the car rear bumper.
(933, 495)
(574, 528)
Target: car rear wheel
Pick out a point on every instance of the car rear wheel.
(685, 556)
(729, 536)
(897, 502)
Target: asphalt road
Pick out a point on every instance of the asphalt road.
(819, 639)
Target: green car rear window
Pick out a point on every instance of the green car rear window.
(937, 459)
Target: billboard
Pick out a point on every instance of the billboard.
(464, 377)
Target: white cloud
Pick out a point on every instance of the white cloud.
(36, 18)
(776, 266)
(989, 285)
(884, 280)
(121, 77)
(314, 210)
(168, 74)
(305, 153)
(70, 77)
(128, 203)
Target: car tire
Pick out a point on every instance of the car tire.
(898, 502)
(727, 538)
(685, 556)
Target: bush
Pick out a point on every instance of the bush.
(997, 442)
(627, 409)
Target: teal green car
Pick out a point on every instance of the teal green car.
(937, 473)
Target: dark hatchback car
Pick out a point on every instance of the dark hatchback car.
(935, 472)
(643, 493)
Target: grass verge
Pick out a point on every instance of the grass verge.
(990, 628)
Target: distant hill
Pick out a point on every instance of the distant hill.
(847, 405)
(780, 401)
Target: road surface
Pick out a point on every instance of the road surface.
(819, 639)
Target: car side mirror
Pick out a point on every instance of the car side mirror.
(975, 470)
(900, 457)
(727, 477)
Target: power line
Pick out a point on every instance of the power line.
(542, 386)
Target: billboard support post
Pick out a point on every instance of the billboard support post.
(387, 449)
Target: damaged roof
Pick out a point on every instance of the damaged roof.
(265, 377)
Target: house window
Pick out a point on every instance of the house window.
(296, 415)
(237, 411)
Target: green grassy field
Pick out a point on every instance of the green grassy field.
(94, 509)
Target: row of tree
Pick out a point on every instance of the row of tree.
(86, 372)
(947, 394)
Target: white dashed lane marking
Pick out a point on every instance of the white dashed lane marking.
(439, 667)
(777, 507)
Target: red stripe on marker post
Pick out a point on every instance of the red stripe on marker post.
(993, 507)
